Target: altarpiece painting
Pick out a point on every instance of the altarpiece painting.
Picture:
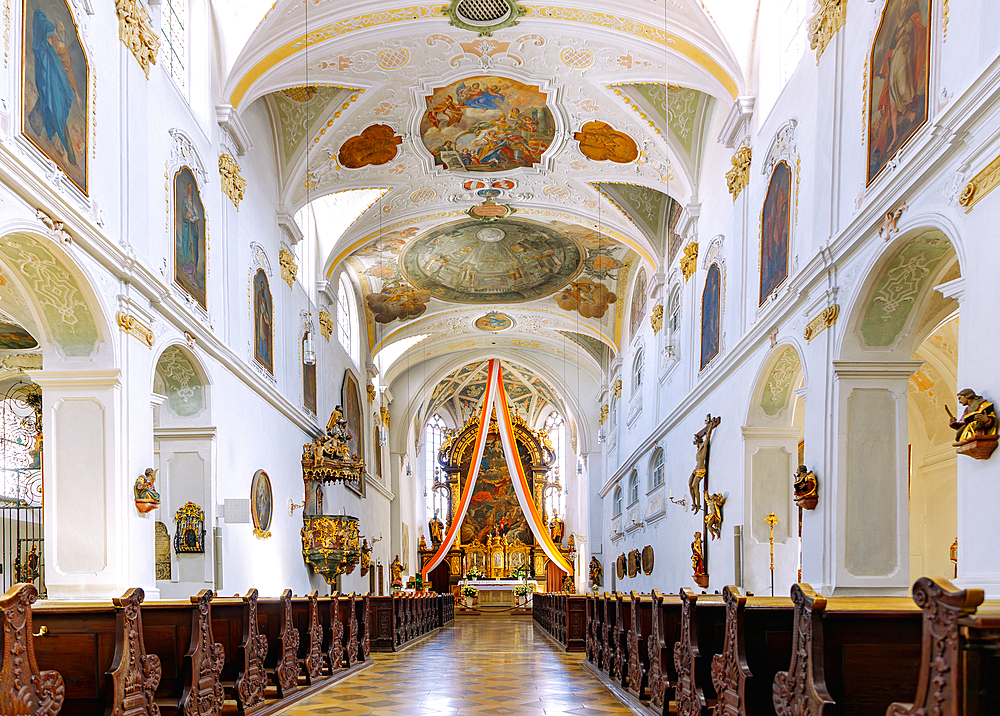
(55, 101)
(898, 81)
(350, 401)
(263, 321)
(775, 230)
(190, 237)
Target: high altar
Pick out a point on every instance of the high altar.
(495, 536)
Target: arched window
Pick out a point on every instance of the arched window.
(637, 372)
(347, 319)
(633, 487)
(638, 304)
(433, 437)
(618, 501)
(674, 319)
(555, 498)
(656, 469)
(174, 26)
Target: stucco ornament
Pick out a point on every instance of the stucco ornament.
(604, 415)
(656, 318)
(829, 17)
(689, 261)
(233, 182)
(325, 324)
(289, 269)
(136, 32)
(135, 327)
(739, 176)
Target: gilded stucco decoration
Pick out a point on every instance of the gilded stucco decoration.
(233, 183)
(738, 177)
(136, 32)
(135, 327)
(325, 324)
(372, 393)
(484, 18)
(604, 415)
(824, 24)
(689, 261)
(384, 415)
(656, 318)
(982, 184)
(616, 388)
(826, 319)
(289, 269)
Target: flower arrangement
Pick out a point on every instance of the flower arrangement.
(523, 590)
(520, 573)
(397, 584)
(473, 573)
(470, 591)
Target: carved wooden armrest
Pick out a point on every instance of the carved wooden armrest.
(23, 688)
(801, 691)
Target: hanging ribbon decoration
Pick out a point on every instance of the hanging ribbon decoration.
(496, 396)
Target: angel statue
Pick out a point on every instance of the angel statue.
(713, 519)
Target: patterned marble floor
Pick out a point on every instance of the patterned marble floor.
(491, 665)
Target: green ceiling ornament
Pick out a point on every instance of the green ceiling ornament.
(483, 16)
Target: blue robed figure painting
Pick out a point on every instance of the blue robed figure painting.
(55, 103)
(711, 301)
(190, 241)
(263, 325)
(775, 227)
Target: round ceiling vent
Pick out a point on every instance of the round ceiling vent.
(483, 16)
(483, 12)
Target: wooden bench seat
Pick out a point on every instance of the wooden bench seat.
(305, 615)
(641, 611)
(236, 625)
(361, 612)
(274, 617)
(664, 631)
(702, 635)
(850, 656)
(349, 621)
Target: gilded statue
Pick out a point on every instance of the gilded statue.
(146, 498)
(806, 488)
(713, 516)
(366, 557)
(557, 529)
(978, 419)
(422, 545)
(436, 529)
(697, 557)
(333, 446)
(702, 441)
(596, 573)
(396, 570)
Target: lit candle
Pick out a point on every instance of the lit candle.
(671, 494)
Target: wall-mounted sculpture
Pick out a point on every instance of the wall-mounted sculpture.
(976, 430)
(806, 488)
(698, 566)
(713, 514)
(702, 441)
(146, 498)
(596, 573)
(189, 538)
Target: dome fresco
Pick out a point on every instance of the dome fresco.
(502, 261)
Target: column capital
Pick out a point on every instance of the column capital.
(876, 369)
(75, 379)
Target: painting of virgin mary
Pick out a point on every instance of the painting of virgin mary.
(55, 101)
(262, 321)
(775, 226)
(190, 241)
(897, 100)
(711, 301)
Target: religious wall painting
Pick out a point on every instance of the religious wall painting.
(350, 401)
(601, 142)
(494, 321)
(376, 145)
(711, 309)
(898, 80)
(14, 337)
(261, 504)
(487, 123)
(589, 298)
(263, 322)
(775, 229)
(190, 237)
(397, 300)
(55, 104)
(638, 303)
(507, 261)
(494, 509)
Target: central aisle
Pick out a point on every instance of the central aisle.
(500, 665)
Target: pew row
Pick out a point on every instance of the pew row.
(398, 621)
(563, 617)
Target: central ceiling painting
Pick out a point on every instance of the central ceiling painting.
(503, 261)
(487, 123)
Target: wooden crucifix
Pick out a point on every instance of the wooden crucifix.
(703, 441)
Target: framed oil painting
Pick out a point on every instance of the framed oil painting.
(55, 101)
(898, 81)
(711, 308)
(263, 321)
(261, 504)
(350, 401)
(775, 228)
(190, 237)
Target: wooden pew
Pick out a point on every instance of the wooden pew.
(955, 641)
(757, 645)
(641, 609)
(382, 622)
(235, 625)
(593, 624)
(24, 689)
(664, 631)
(333, 632)
(349, 622)
(702, 629)
(363, 618)
(99, 651)
(282, 661)
(305, 614)
(608, 649)
(180, 633)
(623, 620)
(849, 655)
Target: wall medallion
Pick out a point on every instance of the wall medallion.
(261, 504)
(633, 563)
(620, 567)
(494, 321)
(647, 560)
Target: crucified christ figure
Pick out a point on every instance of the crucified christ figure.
(702, 440)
